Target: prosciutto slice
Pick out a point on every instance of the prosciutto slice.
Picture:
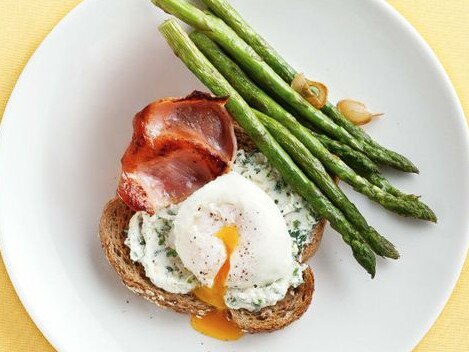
(178, 145)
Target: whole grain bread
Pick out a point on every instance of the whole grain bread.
(112, 231)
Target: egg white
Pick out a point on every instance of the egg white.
(264, 251)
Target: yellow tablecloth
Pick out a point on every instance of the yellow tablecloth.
(445, 26)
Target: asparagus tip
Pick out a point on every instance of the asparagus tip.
(430, 216)
(409, 166)
(365, 256)
(389, 251)
(393, 254)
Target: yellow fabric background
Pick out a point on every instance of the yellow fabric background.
(445, 26)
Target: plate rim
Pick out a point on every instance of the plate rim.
(438, 66)
(38, 321)
(433, 60)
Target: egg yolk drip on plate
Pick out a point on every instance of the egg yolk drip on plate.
(216, 324)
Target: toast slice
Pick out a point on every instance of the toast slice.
(114, 222)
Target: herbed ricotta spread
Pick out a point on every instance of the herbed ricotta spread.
(298, 215)
(151, 244)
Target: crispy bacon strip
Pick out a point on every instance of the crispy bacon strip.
(178, 146)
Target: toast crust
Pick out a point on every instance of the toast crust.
(114, 221)
(286, 311)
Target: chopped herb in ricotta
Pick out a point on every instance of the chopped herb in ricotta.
(298, 215)
(256, 298)
(149, 241)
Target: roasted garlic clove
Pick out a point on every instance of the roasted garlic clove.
(356, 112)
(314, 92)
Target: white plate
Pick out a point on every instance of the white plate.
(69, 120)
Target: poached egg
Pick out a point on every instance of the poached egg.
(230, 234)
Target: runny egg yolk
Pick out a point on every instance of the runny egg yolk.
(216, 324)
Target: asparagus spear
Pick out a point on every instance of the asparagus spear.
(232, 18)
(313, 168)
(376, 152)
(381, 154)
(360, 163)
(379, 180)
(353, 158)
(260, 100)
(254, 65)
(185, 49)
